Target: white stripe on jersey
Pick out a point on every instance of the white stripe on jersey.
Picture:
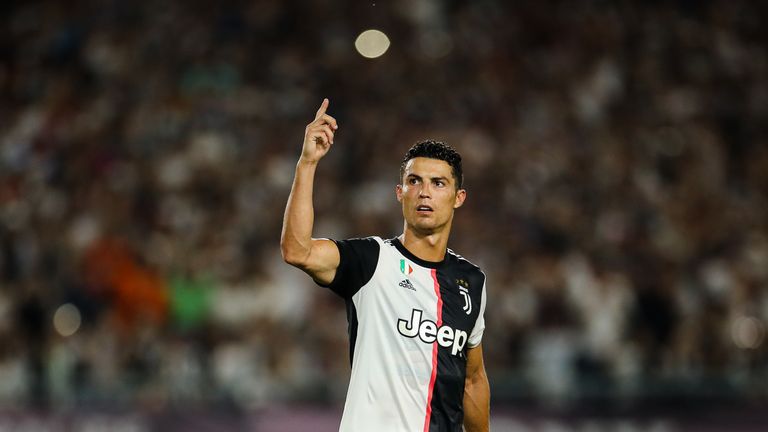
(388, 388)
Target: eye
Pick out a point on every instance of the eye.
(439, 183)
(413, 180)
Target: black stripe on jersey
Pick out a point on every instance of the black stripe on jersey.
(448, 392)
(358, 259)
(351, 328)
(357, 263)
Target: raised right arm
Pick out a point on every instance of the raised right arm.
(319, 258)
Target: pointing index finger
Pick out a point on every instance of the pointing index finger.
(321, 110)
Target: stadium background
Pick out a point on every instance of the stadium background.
(616, 157)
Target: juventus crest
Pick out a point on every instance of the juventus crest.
(467, 301)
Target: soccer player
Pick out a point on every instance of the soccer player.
(415, 308)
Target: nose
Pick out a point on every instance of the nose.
(424, 191)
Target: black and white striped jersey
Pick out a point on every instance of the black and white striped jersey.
(410, 324)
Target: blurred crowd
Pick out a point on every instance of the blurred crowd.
(616, 161)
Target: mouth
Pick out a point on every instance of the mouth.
(424, 209)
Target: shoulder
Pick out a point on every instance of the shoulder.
(463, 263)
(364, 249)
(466, 266)
(360, 243)
(358, 259)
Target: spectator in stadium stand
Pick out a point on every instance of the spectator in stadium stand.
(415, 308)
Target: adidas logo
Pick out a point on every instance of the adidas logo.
(407, 284)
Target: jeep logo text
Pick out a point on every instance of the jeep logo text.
(428, 332)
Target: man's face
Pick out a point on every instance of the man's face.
(428, 194)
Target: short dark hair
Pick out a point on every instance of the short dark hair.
(436, 150)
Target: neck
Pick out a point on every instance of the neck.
(427, 246)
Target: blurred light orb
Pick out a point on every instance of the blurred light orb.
(372, 43)
(747, 332)
(67, 320)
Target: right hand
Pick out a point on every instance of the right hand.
(318, 136)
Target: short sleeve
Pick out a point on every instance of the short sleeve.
(357, 262)
(477, 331)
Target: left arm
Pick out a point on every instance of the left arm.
(477, 393)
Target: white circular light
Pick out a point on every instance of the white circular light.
(372, 43)
(747, 332)
(66, 320)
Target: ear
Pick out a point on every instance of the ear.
(461, 195)
(399, 193)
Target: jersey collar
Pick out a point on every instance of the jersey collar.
(417, 260)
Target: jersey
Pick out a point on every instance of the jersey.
(410, 324)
